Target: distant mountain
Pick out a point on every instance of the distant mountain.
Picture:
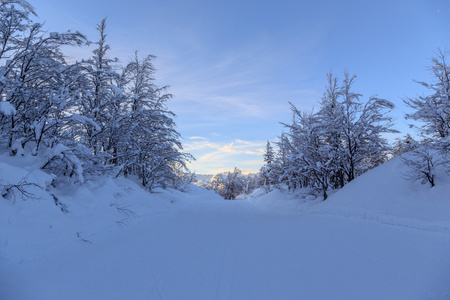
(203, 179)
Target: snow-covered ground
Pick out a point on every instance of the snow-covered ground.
(380, 237)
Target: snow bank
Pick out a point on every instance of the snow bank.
(71, 213)
(382, 195)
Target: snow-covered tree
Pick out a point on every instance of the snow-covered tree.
(362, 128)
(216, 182)
(34, 78)
(233, 185)
(267, 171)
(342, 140)
(84, 117)
(405, 144)
(100, 99)
(283, 168)
(433, 110)
(268, 154)
(37, 84)
(331, 116)
(422, 162)
(252, 182)
(152, 149)
(229, 184)
(311, 156)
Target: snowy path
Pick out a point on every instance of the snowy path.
(234, 250)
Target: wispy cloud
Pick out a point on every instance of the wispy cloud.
(219, 157)
(241, 82)
(229, 91)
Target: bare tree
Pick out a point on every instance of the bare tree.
(422, 163)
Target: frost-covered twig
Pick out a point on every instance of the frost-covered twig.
(19, 189)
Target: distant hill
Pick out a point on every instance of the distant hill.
(203, 179)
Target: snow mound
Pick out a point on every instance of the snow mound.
(382, 195)
(56, 216)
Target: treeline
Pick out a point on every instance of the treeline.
(83, 118)
(324, 150)
(229, 185)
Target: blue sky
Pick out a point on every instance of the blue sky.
(233, 66)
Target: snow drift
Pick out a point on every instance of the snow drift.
(382, 194)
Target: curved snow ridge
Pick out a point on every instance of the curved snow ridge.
(441, 226)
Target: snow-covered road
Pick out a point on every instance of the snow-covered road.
(213, 249)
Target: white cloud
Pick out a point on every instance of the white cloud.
(220, 157)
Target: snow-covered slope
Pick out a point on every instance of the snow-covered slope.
(382, 195)
(56, 216)
(380, 237)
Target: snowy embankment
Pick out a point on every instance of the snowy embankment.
(382, 195)
(117, 241)
(56, 216)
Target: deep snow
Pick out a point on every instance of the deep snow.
(380, 237)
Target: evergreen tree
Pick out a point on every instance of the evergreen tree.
(268, 168)
(269, 154)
